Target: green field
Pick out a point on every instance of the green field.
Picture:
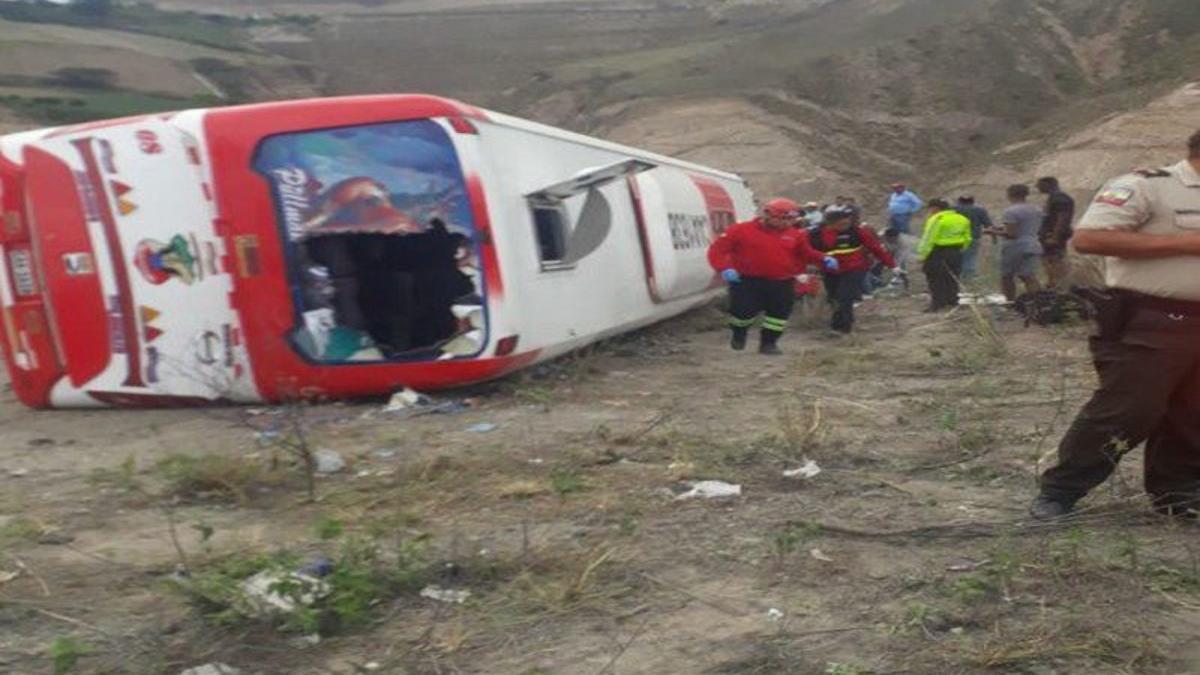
(72, 106)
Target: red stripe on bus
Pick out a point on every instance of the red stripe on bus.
(133, 348)
(487, 247)
(639, 215)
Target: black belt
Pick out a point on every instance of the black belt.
(1160, 304)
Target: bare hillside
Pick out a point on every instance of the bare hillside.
(1150, 136)
(829, 96)
(832, 96)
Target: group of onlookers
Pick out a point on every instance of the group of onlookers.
(1032, 238)
(1147, 226)
(760, 259)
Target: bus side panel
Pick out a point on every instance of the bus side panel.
(607, 291)
(682, 213)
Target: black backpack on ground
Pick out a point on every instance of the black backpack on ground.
(1047, 307)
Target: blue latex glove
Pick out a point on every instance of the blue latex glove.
(731, 276)
(831, 264)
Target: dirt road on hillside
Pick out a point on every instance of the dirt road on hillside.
(908, 553)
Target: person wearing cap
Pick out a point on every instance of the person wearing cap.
(1146, 347)
(813, 215)
(947, 233)
(855, 248)
(903, 204)
(759, 259)
(981, 220)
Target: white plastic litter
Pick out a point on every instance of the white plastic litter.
(6, 576)
(809, 470)
(212, 669)
(263, 591)
(329, 461)
(305, 641)
(445, 594)
(820, 555)
(711, 489)
(404, 399)
(774, 615)
(483, 427)
(982, 299)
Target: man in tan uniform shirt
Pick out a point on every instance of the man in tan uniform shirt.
(1147, 348)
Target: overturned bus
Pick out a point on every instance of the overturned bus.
(333, 248)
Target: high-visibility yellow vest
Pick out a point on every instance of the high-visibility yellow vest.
(944, 228)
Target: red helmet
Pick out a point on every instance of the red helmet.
(782, 208)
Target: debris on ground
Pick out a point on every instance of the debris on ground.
(385, 453)
(982, 299)
(319, 567)
(406, 399)
(267, 437)
(305, 641)
(774, 615)
(965, 565)
(329, 461)
(445, 594)
(6, 576)
(711, 489)
(410, 403)
(818, 554)
(810, 469)
(273, 592)
(212, 669)
(482, 427)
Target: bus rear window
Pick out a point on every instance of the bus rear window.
(380, 242)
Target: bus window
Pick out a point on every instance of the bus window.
(550, 227)
(380, 242)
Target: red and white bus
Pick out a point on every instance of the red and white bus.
(333, 248)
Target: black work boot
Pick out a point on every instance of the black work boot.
(1045, 507)
(738, 341)
(767, 344)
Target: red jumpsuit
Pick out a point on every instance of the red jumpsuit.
(767, 259)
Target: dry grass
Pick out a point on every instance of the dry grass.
(213, 477)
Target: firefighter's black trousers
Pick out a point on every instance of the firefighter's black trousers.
(774, 298)
(843, 289)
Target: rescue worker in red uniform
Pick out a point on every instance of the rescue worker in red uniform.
(759, 260)
(855, 248)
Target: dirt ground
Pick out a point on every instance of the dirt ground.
(910, 552)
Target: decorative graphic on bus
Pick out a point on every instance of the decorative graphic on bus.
(159, 262)
(358, 205)
(380, 238)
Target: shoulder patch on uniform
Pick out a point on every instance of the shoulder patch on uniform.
(1118, 196)
(1153, 173)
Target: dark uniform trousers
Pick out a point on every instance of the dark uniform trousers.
(1149, 391)
(752, 296)
(843, 290)
(942, 269)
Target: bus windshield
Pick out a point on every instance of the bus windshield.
(380, 242)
